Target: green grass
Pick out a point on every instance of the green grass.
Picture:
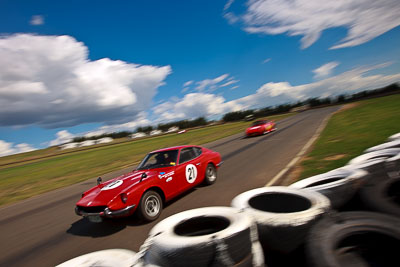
(349, 132)
(38, 175)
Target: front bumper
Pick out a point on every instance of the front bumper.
(107, 213)
(253, 133)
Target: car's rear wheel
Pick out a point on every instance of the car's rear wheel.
(211, 174)
(150, 206)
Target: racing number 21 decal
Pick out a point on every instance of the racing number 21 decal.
(191, 173)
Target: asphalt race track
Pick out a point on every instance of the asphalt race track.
(44, 230)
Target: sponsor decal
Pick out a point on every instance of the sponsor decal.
(191, 173)
(169, 179)
(165, 175)
(112, 185)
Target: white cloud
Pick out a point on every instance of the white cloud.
(228, 4)
(9, 148)
(62, 137)
(6, 148)
(325, 70)
(231, 17)
(23, 147)
(37, 20)
(49, 81)
(229, 83)
(141, 120)
(210, 83)
(364, 19)
(186, 84)
(348, 82)
(194, 105)
(266, 60)
(270, 94)
(234, 87)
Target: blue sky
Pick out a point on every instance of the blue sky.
(71, 68)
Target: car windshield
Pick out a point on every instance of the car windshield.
(258, 123)
(159, 160)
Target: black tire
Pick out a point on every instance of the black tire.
(382, 195)
(210, 175)
(283, 215)
(392, 166)
(195, 238)
(358, 238)
(150, 206)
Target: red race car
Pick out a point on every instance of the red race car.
(162, 175)
(260, 127)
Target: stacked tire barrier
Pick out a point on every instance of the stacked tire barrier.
(363, 230)
(349, 216)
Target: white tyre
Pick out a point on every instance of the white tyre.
(392, 144)
(378, 154)
(394, 137)
(283, 215)
(108, 257)
(212, 236)
(338, 185)
(375, 168)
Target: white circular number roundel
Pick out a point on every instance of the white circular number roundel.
(112, 185)
(191, 173)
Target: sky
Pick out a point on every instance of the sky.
(80, 68)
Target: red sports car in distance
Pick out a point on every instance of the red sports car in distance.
(162, 175)
(260, 127)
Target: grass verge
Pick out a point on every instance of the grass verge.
(38, 175)
(351, 131)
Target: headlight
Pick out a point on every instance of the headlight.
(124, 197)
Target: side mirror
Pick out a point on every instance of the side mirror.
(99, 180)
(144, 175)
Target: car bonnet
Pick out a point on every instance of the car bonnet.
(102, 194)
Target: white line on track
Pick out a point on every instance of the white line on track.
(301, 153)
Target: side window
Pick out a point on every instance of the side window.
(197, 151)
(187, 154)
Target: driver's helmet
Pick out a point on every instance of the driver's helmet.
(160, 158)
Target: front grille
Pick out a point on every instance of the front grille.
(95, 209)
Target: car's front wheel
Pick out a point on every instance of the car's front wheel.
(150, 206)
(211, 174)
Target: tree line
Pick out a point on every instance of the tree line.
(257, 113)
(310, 103)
